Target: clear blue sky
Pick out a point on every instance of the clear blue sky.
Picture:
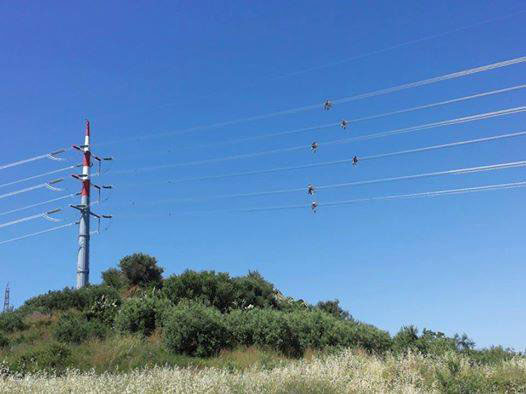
(452, 263)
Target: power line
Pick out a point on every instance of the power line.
(37, 233)
(44, 215)
(442, 146)
(460, 171)
(360, 119)
(374, 93)
(37, 176)
(47, 185)
(396, 46)
(38, 204)
(382, 115)
(466, 119)
(343, 161)
(436, 193)
(51, 156)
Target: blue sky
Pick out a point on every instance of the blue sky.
(452, 263)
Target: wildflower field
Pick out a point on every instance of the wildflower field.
(349, 371)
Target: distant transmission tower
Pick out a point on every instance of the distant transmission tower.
(84, 208)
(7, 306)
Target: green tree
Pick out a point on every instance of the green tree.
(114, 278)
(142, 270)
(332, 307)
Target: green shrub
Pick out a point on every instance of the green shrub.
(492, 355)
(4, 342)
(333, 308)
(365, 336)
(315, 329)
(63, 300)
(141, 270)
(291, 333)
(141, 315)
(75, 329)
(49, 357)
(429, 342)
(11, 321)
(265, 328)
(114, 278)
(253, 289)
(196, 330)
(220, 290)
(207, 287)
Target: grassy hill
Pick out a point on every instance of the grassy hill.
(137, 319)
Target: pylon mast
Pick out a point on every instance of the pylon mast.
(84, 224)
(7, 306)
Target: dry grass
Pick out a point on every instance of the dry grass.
(347, 372)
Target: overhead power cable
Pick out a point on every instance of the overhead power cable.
(460, 171)
(37, 233)
(44, 215)
(437, 193)
(396, 46)
(466, 119)
(343, 161)
(442, 146)
(37, 176)
(39, 204)
(48, 185)
(51, 156)
(371, 53)
(360, 119)
(381, 115)
(374, 93)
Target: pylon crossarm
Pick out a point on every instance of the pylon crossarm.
(80, 207)
(100, 160)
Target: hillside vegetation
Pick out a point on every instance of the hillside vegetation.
(137, 319)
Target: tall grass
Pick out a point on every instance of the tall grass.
(350, 371)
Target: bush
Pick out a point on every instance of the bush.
(63, 300)
(114, 278)
(492, 355)
(315, 329)
(265, 328)
(50, 357)
(333, 308)
(220, 290)
(365, 336)
(141, 315)
(207, 287)
(291, 333)
(254, 290)
(430, 342)
(196, 330)
(141, 270)
(4, 342)
(74, 329)
(11, 321)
